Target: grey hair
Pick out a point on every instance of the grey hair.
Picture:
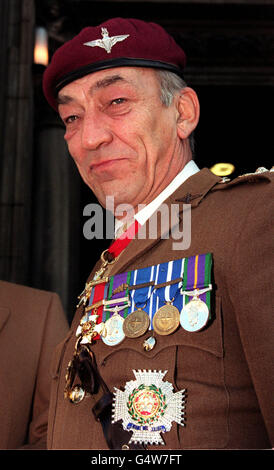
(170, 84)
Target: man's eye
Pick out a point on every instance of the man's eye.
(118, 101)
(70, 119)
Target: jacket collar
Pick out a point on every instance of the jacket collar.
(192, 191)
(4, 316)
(195, 188)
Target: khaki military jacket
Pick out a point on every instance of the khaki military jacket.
(226, 368)
(32, 323)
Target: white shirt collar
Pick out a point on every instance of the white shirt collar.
(144, 214)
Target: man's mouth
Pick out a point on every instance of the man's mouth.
(105, 165)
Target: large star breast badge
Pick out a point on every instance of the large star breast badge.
(106, 42)
(148, 406)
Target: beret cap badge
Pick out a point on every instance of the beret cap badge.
(106, 42)
(140, 44)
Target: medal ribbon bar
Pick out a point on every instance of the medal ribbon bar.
(151, 287)
(197, 275)
(114, 282)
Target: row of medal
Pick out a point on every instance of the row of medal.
(166, 320)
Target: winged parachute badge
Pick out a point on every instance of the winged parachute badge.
(106, 42)
(148, 406)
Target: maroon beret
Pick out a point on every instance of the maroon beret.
(115, 43)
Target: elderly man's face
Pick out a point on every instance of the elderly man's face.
(123, 139)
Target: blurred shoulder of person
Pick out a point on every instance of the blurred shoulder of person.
(32, 323)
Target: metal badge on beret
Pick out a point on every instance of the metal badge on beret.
(106, 42)
(147, 406)
(136, 324)
(117, 42)
(166, 320)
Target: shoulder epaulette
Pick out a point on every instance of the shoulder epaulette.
(261, 174)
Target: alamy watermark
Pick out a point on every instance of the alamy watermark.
(165, 222)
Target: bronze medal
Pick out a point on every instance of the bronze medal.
(166, 320)
(136, 324)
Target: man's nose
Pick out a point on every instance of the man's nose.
(94, 132)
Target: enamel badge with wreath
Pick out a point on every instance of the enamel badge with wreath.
(148, 406)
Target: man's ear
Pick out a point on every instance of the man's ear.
(188, 108)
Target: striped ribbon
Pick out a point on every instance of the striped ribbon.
(197, 275)
(115, 282)
(98, 293)
(141, 297)
(122, 242)
(166, 272)
(194, 271)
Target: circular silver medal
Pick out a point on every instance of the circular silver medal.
(114, 333)
(194, 316)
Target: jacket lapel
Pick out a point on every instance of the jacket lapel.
(4, 316)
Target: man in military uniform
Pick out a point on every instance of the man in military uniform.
(32, 323)
(169, 348)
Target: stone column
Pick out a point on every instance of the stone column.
(16, 118)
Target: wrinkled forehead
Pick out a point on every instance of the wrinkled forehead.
(127, 77)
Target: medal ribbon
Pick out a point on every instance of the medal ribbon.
(197, 275)
(117, 281)
(195, 271)
(141, 296)
(122, 242)
(165, 273)
(98, 293)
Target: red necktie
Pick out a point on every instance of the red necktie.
(122, 242)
